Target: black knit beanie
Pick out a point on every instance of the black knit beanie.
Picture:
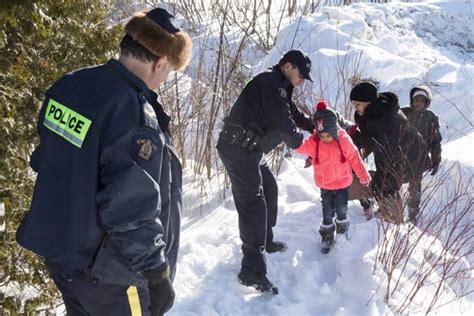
(364, 92)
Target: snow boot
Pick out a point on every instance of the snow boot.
(327, 237)
(258, 281)
(368, 207)
(276, 246)
(342, 227)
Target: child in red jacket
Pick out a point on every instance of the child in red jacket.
(334, 156)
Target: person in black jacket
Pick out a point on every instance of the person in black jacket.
(385, 131)
(263, 116)
(427, 124)
(106, 206)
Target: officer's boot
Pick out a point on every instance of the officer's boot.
(276, 246)
(258, 281)
(327, 237)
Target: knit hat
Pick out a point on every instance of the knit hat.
(364, 92)
(157, 31)
(325, 120)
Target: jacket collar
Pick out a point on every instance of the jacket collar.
(285, 82)
(132, 79)
(141, 87)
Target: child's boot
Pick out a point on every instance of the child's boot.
(342, 227)
(327, 237)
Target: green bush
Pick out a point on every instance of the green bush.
(39, 42)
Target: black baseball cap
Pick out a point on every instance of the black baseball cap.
(165, 19)
(300, 60)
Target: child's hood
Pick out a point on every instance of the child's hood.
(423, 88)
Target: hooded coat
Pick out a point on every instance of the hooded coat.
(427, 124)
(385, 131)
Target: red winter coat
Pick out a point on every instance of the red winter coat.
(329, 172)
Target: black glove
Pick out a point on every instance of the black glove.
(434, 169)
(160, 288)
(308, 162)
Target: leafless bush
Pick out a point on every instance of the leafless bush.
(429, 259)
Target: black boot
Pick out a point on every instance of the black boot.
(258, 281)
(276, 246)
(327, 237)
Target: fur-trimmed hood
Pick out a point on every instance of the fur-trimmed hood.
(176, 46)
(424, 89)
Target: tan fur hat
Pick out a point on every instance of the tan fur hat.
(155, 30)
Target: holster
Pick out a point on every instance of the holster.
(237, 135)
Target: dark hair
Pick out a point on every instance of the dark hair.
(285, 59)
(130, 47)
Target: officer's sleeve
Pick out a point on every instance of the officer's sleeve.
(302, 120)
(277, 110)
(129, 199)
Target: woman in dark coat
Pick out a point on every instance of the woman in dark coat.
(385, 131)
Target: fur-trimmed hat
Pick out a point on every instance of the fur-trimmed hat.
(156, 31)
(364, 92)
(421, 90)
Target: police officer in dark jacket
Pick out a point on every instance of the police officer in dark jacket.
(385, 131)
(106, 207)
(263, 116)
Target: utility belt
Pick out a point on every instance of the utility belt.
(236, 134)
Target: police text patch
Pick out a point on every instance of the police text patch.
(67, 123)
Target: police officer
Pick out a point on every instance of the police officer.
(106, 206)
(263, 116)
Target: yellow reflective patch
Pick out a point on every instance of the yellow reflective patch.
(67, 123)
(134, 301)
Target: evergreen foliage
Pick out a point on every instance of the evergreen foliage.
(39, 42)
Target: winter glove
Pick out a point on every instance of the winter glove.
(434, 169)
(308, 162)
(160, 288)
(351, 130)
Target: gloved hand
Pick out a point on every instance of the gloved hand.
(351, 130)
(160, 288)
(308, 162)
(434, 169)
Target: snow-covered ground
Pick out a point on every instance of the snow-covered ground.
(400, 45)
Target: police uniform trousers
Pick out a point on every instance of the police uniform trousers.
(255, 192)
(83, 295)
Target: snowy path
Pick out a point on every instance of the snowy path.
(310, 283)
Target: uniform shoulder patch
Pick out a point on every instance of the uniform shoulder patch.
(146, 148)
(67, 123)
(282, 92)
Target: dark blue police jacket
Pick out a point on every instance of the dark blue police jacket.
(107, 199)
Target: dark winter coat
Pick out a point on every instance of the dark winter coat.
(265, 107)
(385, 131)
(107, 198)
(427, 124)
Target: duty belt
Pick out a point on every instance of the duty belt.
(236, 134)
